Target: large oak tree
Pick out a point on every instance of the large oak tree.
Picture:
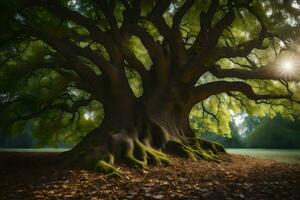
(180, 52)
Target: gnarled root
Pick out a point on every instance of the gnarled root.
(108, 169)
(128, 149)
(209, 145)
(144, 155)
(196, 149)
(139, 155)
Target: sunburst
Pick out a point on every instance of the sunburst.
(289, 67)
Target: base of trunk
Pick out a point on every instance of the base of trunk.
(104, 148)
(196, 149)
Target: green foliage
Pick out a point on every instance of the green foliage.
(211, 115)
(134, 81)
(30, 78)
(109, 169)
(70, 128)
(275, 133)
(140, 51)
(28, 87)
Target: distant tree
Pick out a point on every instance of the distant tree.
(148, 63)
(234, 141)
(277, 133)
(251, 123)
(24, 140)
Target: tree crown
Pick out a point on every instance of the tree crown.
(60, 58)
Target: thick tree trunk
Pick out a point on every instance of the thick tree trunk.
(138, 133)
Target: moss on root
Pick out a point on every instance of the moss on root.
(178, 148)
(131, 161)
(141, 155)
(209, 145)
(152, 156)
(108, 169)
(144, 155)
(195, 150)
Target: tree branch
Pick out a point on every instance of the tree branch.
(156, 52)
(262, 73)
(132, 13)
(156, 17)
(205, 25)
(54, 7)
(64, 107)
(135, 63)
(175, 38)
(206, 90)
(108, 10)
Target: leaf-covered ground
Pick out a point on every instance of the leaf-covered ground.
(28, 176)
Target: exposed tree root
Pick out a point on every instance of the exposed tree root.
(196, 149)
(141, 155)
(109, 169)
(209, 145)
(129, 150)
(148, 155)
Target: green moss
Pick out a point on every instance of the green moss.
(215, 147)
(220, 147)
(152, 156)
(142, 155)
(178, 148)
(107, 168)
(131, 161)
(139, 152)
(194, 151)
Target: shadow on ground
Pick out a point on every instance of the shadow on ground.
(30, 176)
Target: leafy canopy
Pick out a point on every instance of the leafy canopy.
(39, 90)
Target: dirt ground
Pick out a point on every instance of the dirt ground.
(29, 176)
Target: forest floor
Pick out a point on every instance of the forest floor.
(28, 176)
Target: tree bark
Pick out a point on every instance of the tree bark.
(139, 132)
